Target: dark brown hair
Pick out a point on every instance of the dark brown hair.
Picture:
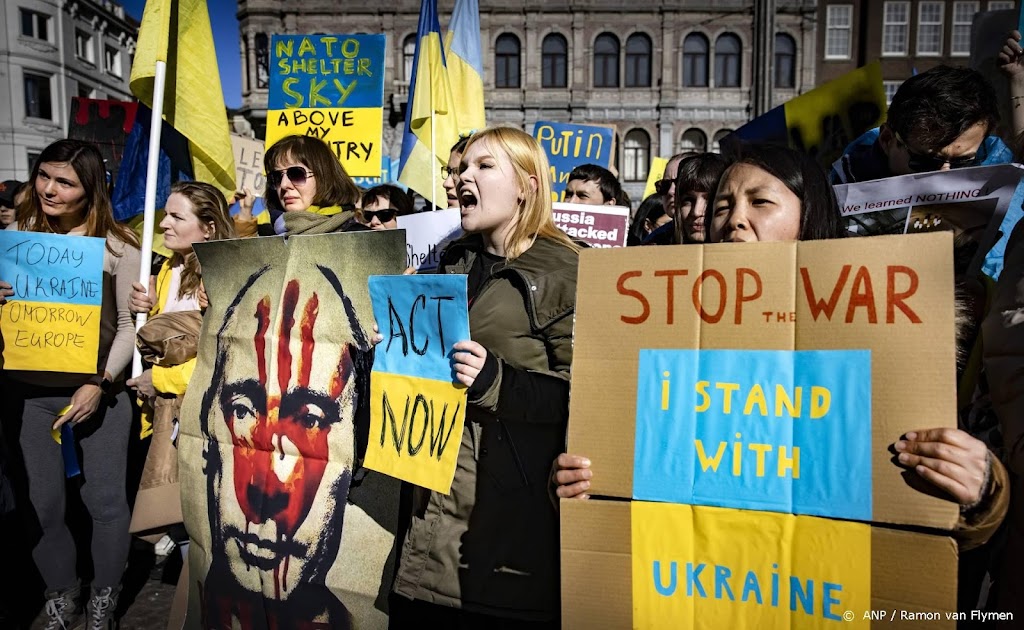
(87, 162)
(333, 185)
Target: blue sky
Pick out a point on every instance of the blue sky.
(225, 40)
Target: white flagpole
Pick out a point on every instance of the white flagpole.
(149, 216)
(433, 127)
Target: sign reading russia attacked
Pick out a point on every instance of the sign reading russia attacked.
(52, 322)
(330, 87)
(417, 409)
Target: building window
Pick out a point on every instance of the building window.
(37, 96)
(35, 25)
(890, 89)
(929, 28)
(895, 21)
(727, 61)
(408, 57)
(695, 60)
(262, 61)
(693, 140)
(839, 18)
(637, 155)
(785, 61)
(32, 157)
(716, 143)
(606, 61)
(554, 54)
(84, 91)
(638, 61)
(84, 49)
(1000, 5)
(506, 61)
(112, 60)
(963, 16)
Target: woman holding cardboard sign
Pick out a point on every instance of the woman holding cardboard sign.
(487, 554)
(69, 196)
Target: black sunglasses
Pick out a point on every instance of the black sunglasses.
(662, 185)
(297, 175)
(382, 215)
(923, 163)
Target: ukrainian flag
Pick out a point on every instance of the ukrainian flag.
(430, 125)
(193, 100)
(465, 65)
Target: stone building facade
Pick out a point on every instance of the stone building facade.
(670, 76)
(51, 51)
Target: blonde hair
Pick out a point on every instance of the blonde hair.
(210, 208)
(534, 219)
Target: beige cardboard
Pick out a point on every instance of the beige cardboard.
(913, 369)
(597, 574)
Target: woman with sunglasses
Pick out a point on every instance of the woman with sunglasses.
(382, 205)
(308, 191)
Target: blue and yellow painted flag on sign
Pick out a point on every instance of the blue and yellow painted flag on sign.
(465, 65)
(52, 322)
(330, 87)
(417, 410)
(193, 100)
(430, 124)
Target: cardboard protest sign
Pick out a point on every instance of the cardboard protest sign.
(287, 528)
(568, 145)
(427, 234)
(709, 568)
(52, 322)
(104, 123)
(766, 382)
(970, 202)
(891, 296)
(598, 226)
(824, 121)
(330, 87)
(249, 173)
(654, 175)
(417, 409)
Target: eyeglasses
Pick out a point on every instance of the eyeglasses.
(382, 215)
(662, 185)
(297, 175)
(923, 163)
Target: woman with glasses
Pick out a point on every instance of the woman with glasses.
(308, 191)
(382, 205)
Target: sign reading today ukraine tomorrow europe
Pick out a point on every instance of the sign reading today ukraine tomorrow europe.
(330, 87)
(778, 431)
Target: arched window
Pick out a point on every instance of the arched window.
(638, 60)
(727, 60)
(636, 156)
(695, 60)
(693, 140)
(554, 53)
(716, 143)
(785, 61)
(506, 61)
(262, 61)
(606, 61)
(408, 56)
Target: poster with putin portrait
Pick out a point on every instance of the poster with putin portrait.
(287, 528)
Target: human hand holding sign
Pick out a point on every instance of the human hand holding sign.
(571, 476)
(5, 291)
(949, 459)
(1011, 58)
(468, 359)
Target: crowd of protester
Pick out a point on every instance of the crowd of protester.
(453, 567)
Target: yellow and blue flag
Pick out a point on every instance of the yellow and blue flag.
(465, 65)
(193, 100)
(430, 125)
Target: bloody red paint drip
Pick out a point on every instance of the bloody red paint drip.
(284, 352)
(306, 328)
(260, 340)
(341, 376)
